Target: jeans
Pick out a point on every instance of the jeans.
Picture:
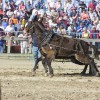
(36, 53)
(1, 49)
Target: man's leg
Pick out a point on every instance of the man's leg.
(35, 55)
(1, 49)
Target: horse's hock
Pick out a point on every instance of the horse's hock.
(82, 58)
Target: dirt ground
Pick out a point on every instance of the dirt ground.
(17, 83)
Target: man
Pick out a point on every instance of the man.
(79, 30)
(35, 50)
(2, 42)
(35, 46)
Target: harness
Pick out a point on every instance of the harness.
(47, 37)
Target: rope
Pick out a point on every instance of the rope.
(63, 47)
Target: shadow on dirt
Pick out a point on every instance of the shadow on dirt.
(72, 74)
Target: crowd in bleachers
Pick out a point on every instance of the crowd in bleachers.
(74, 17)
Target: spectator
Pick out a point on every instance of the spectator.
(71, 30)
(75, 3)
(1, 5)
(23, 21)
(4, 22)
(98, 8)
(22, 6)
(92, 14)
(18, 26)
(79, 30)
(82, 6)
(17, 13)
(94, 33)
(14, 19)
(85, 33)
(95, 20)
(24, 43)
(58, 5)
(92, 5)
(1, 13)
(98, 26)
(10, 29)
(65, 21)
(9, 13)
(12, 5)
(2, 42)
(39, 5)
(61, 30)
(52, 4)
(28, 6)
(5, 15)
(22, 14)
(51, 22)
(69, 5)
(73, 14)
(6, 6)
(84, 16)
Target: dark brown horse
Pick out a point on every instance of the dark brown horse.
(54, 46)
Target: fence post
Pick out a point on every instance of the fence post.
(9, 46)
(30, 48)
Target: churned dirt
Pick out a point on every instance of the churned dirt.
(17, 83)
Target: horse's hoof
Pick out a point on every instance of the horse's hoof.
(46, 74)
(33, 73)
(82, 73)
(51, 75)
(37, 67)
(98, 74)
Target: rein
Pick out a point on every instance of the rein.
(46, 35)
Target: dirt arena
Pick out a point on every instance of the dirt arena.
(17, 82)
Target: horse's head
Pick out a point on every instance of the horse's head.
(29, 27)
(34, 27)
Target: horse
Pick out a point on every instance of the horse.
(59, 47)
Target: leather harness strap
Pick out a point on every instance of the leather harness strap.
(61, 41)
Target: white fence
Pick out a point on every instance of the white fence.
(9, 40)
(16, 39)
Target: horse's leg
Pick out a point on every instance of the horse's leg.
(94, 69)
(95, 51)
(35, 66)
(84, 70)
(88, 60)
(44, 62)
(50, 67)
